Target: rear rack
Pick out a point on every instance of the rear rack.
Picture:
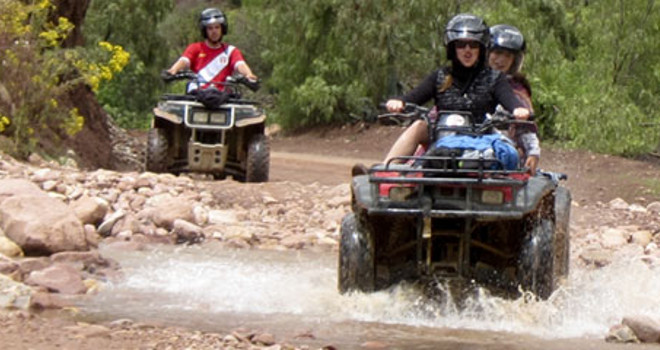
(446, 173)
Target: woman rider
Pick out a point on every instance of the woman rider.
(506, 54)
(467, 84)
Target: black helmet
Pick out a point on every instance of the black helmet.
(210, 16)
(504, 36)
(466, 26)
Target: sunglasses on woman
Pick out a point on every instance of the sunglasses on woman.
(463, 44)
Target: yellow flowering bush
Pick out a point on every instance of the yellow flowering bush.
(36, 73)
(4, 122)
(115, 58)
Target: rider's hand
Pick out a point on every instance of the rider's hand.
(253, 78)
(166, 75)
(394, 105)
(521, 113)
(531, 163)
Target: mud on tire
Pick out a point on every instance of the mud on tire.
(258, 159)
(537, 254)
(562, 234)
(157, 147)
(356, 256)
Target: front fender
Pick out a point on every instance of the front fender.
(172, 118)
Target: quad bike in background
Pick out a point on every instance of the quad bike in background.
(220, 139)
(455, 215)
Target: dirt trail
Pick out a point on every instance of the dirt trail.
(326, 156)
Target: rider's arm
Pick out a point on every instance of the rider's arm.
(505, 96)
(421, 94)
(245, 70)
(180, 64)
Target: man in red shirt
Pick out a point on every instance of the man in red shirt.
(212, 59)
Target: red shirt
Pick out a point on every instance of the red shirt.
(213, 64)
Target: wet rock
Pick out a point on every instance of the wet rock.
(88, 260)
(201, 215)
(124, 245)
(13, 294)
(646, 329)
(44, 300)
(60, 278)
(187, 232)
(265, 339)
(121, 323)
(613, 237)
(621, 334)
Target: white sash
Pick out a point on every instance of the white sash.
(214, 67)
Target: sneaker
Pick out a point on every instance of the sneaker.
(359, 169)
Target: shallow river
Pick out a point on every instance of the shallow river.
(293, 295)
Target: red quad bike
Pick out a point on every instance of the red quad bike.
(455, 217)
(224, 139)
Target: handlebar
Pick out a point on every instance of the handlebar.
(410, 112)
(253, 85)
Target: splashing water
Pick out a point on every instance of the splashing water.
(303, 285)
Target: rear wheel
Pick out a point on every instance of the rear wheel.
(157, 145)
(356, 257)
(258, 159)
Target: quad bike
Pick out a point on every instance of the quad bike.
(224, 139)
(449, 216)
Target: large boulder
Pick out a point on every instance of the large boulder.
(41, 225)
(13, 187)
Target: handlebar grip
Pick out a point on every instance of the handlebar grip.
(253, 85)
(166, 76)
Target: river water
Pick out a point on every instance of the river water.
(294, 296)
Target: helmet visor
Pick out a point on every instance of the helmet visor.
(508, 39)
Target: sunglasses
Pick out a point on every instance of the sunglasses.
(463, 44)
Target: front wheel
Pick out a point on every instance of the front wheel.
(157, 145)
(356, 257)
(258, 159)
(536, 270)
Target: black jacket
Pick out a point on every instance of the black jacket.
(479, 94)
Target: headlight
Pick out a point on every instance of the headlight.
(200, 117)
(218, 118)
(456, 120)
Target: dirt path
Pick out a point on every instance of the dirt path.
(327, 155)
